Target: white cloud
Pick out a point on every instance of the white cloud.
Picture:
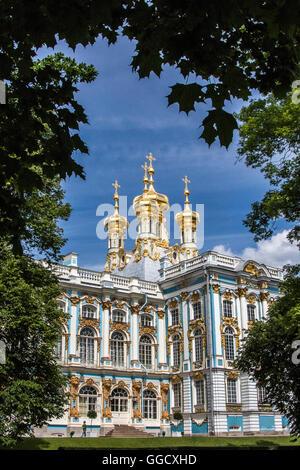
(277, 251)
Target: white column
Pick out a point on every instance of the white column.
(106, 305)
(134, 333)
(278, 423)
(187, 423)
(217, 321)
(249, 404)
(162, 348)
(185, 329)
(243, 309)
(263, 297)
(73, 324)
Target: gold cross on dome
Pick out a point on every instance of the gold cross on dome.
(145, 167)
(185, 180)
(116, 185)
(150, 158)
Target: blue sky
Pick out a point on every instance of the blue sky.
(128, 119)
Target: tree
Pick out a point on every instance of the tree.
(267, 354)
(38, 138)
(31, 384)
(270, 140)
(92, 414)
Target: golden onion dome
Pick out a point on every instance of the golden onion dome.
(150, 197)
(116, 221)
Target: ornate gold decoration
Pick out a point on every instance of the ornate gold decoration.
(264, 296)
(106, 386)
(165, 415)
(263, 284)
(137, 413)
(135, 309)
(90, 381)
(250, 324)
(195, 297)
(106, 305)
(241, 291)
(251, 299)
(74, 383)
(227, 295)
(119, 326)
(161, 314)
(216, 288)
(198, 375)
(242, 280)
(199, 409)
(251, 268)
(106, 412)
(151, 386)
(136, 389)
(271, 302)
(119, 305)
(173, 303)
(147, 330)
(74, 300)
(74, 413)
(175, 379)
(89, 322)
(232, 374)
(184, 295)
(235, 408)
(164, 390)
(121, 384)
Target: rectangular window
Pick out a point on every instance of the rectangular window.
(231, 391)
(175, 316)
(197, 309)
(177, 395)
(227, 308)
(251, 312)
(261, 395)
(199, 385)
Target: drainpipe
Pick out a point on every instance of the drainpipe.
(210, 350)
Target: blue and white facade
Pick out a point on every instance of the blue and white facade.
(157, 332)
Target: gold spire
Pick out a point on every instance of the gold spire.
(116, 196)
(150, 171)
(186, 190)
(145, 179)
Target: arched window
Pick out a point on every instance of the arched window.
(176, 350)
(119, 400)
(229, 343)
(86, 344)
(198, 343)
(145, 350)
(117, 345)
(88, 311)
(87, 399)
(58, 348)
(146, 320)
(149, 405)
(119, 316)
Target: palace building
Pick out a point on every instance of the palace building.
(150, 342)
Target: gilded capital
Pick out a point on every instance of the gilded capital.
(241, 292)
(135, 309)
(216, 288)
(264, 296)
(161, 314)
(106, 305)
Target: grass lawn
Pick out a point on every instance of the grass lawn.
(170, 442)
